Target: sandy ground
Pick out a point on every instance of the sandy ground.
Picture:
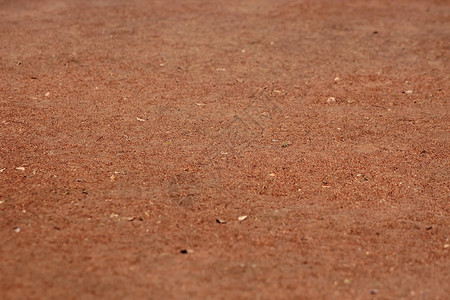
(134, 134)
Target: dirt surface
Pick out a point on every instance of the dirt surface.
(128, 128)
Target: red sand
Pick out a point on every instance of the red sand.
(128, 127)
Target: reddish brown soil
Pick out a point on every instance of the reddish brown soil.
(128, 127)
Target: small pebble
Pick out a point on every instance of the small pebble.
(186, 251)
(242, 218)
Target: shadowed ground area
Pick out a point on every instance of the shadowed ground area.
(134, 134)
